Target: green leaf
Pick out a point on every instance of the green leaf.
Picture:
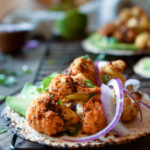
(26, 70)
(3, 130)
(89, 83)
(103, 43)
(86, 56)
(20, 103)
(10, 81)
(47, 81)
(2, 78)
(92, 94)
(73, 131)
(60, 102)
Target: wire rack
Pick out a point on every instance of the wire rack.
(57, 56)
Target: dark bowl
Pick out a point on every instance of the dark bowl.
(13, 36)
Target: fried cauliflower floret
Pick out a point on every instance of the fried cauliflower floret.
(130, 108)
(82, 69)
(41, 116)
(70, 117)
(62, 85)
(108, 29)
(125, 34)
(113, 69)
(125, 14)
(93, 116)
(142, 39)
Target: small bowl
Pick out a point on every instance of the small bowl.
(13, 36)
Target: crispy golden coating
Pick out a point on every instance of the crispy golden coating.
(70, 117)
(41, 117)
(125, 14)
(62, 85)
(82, 69)
(130, 108)
(125, 34)
(142, 40)
(108, 29)
(113, 69)
(93, 116)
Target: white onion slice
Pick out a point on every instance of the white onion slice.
(135, 83)
(116, 83)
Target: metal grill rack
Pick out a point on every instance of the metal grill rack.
(58, 55)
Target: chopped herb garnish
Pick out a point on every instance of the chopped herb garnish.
(86, 56)
(26, 69)
(72, 131)
(51, 96)
(2, 78)
(39, 89)
(89, 83)
(10, 81)
(2, 130)
(105, 78)
(47, 81)
(51, 62)
(91, 95)
(60, 102)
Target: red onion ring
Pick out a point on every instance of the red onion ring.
(98, 79)
(109, 112)
(135, 83)
(144, 104)
(116, 83)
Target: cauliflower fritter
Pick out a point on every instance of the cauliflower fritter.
(82, 69)
(130, 108)
(108, 29)
(62, 85)
(70, 117)
(41, 116)
(125, 34)
(93, 116)
(113, 69)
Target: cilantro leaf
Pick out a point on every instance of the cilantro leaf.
(86, 56)
(60, 102)
(3, 130)
(47, 81)
(89, 83)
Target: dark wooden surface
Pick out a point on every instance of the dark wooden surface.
(58, 57)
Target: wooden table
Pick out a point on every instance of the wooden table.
(58, 57)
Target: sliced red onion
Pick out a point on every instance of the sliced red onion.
(133, 98)
(144, 104)
(135, 83)
(116, 83)
(109, 111)
(98, 79)
(101, 64)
